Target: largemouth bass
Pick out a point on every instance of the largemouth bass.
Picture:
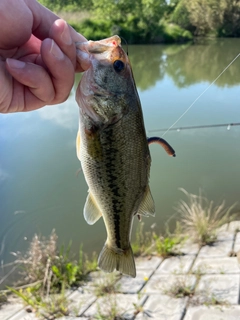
(113, 149)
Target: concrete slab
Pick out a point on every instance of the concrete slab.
(237, 239)
(224, 265)
(134, 285)
(114, 305)
(161, 307)
(234, 226)
(223, 288)
(164, 284)
(10, 308)
(225, 236)
(218, 249)
(237, 243)
(213, 313)
(99, 279)
(176, 265)
(72, 318)
(148, 263)
(187, 247)
(80, 302)
(23, 315)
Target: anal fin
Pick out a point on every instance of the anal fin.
(147, 206)
(91, 211)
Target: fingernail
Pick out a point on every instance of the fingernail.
(66, 38)
(16, 64)
(56, 51)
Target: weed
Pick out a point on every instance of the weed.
(200, 219)
(207, 298)
(180, 288)
(46, 307)
(151, 243)
(91, 264)
(107, 285)
(3, 298)
(164, 245)
(48, 272)
(138, 307)
(201, 270)
(142, 242)
(111, 309)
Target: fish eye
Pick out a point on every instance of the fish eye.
(118, 65)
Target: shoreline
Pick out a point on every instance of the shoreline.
(196, 282)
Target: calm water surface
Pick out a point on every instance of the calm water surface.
(40, 189)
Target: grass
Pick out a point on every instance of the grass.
(54, 269)
(180, 288)
(46, 307)
(150, 243)
(111, 310)
(201, 219)
(3, 298)
(107, 285)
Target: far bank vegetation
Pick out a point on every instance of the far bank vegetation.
(150, 21)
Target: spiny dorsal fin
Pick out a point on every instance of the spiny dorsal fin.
(91, 211)
(147, 206)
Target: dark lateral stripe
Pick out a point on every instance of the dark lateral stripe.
(116, 219)
(112, 179)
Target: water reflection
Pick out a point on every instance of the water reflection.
(64, 115)
(186, 64)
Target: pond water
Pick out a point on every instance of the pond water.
(41, 188)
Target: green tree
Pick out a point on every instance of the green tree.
(67, 5)
(231, 19)
(139, 18)
(203, 16)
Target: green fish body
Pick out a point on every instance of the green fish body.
(113, 149)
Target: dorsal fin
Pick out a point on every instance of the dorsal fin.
(91, 211)
(147, 206)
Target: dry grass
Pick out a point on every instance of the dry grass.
(201, 219)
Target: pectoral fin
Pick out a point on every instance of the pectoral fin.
(78, 145)
(91, 211)
(147, 206)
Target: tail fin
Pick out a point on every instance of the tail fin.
(109, 260)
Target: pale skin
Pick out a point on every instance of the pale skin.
(37, 56)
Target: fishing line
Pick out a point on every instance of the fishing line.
(200, 95)
(125, 44)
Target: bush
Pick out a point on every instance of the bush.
(181, 17)
(174, 33)
(93, 29)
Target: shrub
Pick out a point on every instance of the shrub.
(201, 219)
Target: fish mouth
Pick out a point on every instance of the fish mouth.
(95, 47)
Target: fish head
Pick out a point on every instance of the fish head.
(107, 86)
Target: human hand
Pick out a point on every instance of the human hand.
(37, 56)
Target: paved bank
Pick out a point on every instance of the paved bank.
(196, 285)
